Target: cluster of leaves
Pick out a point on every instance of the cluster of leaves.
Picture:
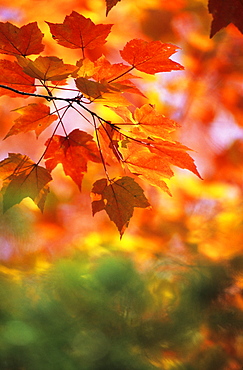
(110, 316)
(140, 140)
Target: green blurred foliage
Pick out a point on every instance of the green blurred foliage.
(104, 314)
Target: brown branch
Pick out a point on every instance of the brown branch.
(47, 97)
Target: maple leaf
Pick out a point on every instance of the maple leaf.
(23, 178)
(13, 76)
(73, 152)
(111, 72)
(124, 113)
(150, 57)
(116, 75)
(128, 87)
(91, 89)
(150, 166)
(20, 41)
(86, 68)
(100, 92)
(118, 198)
(110, 4)
(175, 153)
(225, 12)
(46, 68)
(153, 159)
(33, 117)
(79, 32)
(150, 123)
(109, 139)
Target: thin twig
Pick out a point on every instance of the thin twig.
(47, 97)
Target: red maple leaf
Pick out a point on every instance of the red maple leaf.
(33, 117)
(20, 41)
(13, 76)
(73, 152)
(79, 32)
(150, 57)
(116, 75)
(104, 70)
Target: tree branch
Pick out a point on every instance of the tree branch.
(47, 97)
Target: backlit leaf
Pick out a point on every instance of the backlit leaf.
(151, 123)
(118, 198)
(46, 68)
(224, 13)
(124, 113)
(174, 153)
(111, 72)
(13, 76)
(91, 89)
(128, 87)
(116, 75)
(150, 57)
(23, 178)
(150, 166)
(20, 41)
(109, 139)
(79, 32)
(101, 92)
(86, 68)
(152, 160)
(73, 152)
(35, 117)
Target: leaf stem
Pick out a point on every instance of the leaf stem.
(123, 74)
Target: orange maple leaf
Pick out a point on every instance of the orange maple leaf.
(73, 152)
(33, 117)
(147, 122)
(125, 114)
(23, 178)
(152, 159)
(153, 124)
(13, 76)
(86, 68)
(174, 153)
(116, 75)
(101, 92)
(150, 57)
(111, 72)
(46, 68)
(79, 32)
(109, 139)
(20, 41)
(150, 166)
(118, 198)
